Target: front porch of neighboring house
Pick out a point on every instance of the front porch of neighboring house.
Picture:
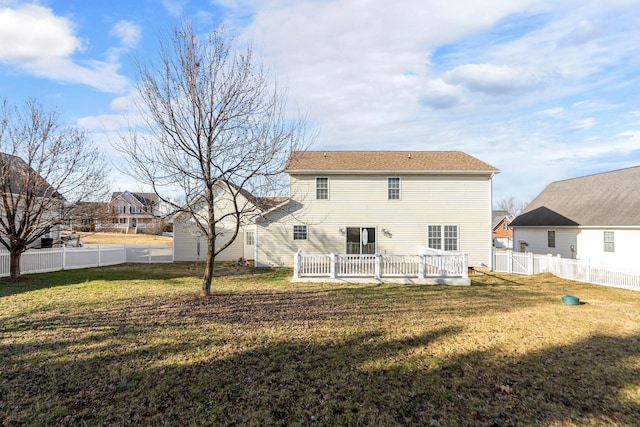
(134, 225)
(441, 268)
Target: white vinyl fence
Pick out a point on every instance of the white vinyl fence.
(56, 259)
(572, 269)
(379, 266)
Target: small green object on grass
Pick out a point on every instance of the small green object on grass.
(570, 300)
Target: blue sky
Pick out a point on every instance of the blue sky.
(542, 90)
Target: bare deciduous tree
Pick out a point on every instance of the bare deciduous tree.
(511, 204)
(43, 165)
(213, 118)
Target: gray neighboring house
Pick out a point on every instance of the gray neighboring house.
(594, 218)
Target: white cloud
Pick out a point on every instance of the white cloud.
(100, 75)
(439, 94)
(33, 38)
(127, 32)
(33, 32)
(173, 7)
(492, 79)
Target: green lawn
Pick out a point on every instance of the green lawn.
(138, 345)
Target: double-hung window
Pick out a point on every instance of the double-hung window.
(551, 239)
(450, 237)
(393, 188)
(609, 241)
(442, 237)
(322, 188)
(300, 232)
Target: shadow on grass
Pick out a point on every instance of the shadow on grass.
(360, 379)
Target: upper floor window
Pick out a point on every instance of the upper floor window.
(609, 241)
(300, 232)
(393, 188)
(322, 188)
(551, 239)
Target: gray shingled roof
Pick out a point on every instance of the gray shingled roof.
(604, 199)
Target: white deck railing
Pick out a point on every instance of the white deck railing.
(572, 269)
(335, 266)
(68, 258)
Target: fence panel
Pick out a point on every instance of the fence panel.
(571, 269)
(149, 254)
(40, 260)
(356, 265)
(315, 265)
(81, 258)
(400, 266)
(380, 266)
(112, 255)
(56, 259)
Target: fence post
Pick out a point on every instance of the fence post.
(530, 263)
(149, 249)
(376, 272)
(332, 265)
(588, 272)
(510, 262)
(296, 264)
(99, 256)
(64, 257)
(421, 266)
(465, 266)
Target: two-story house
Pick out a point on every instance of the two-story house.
(360, 202)
(135, 213)
(385, 202)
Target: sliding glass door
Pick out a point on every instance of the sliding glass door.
(361, 240)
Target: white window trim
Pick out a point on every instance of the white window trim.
(555, 239)
(361, 227)
(328, 187)
(399, 187)
(604, 242)
(293, 231)
(457, 226)
(248, 234)
(443, 238)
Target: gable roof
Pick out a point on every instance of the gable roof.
(498, 216)
(17, 176)
(144, 199)
(604, 199)
(301, 162)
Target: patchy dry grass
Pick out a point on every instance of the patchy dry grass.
(124, 239)
(137, 345)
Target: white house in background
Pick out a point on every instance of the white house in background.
(594, 218)
(385, 202)
(135, 213)
(189, 243)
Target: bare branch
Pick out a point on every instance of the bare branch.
(213, 120)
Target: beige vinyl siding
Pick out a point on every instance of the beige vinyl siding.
(186, 241)
(186, 234)
(362, 201)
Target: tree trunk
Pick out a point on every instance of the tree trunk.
(208, 269)
(14, 264)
